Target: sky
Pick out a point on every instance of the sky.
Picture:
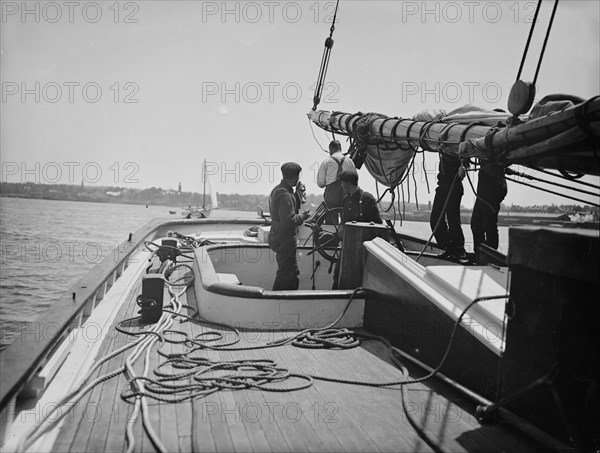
(137, 94)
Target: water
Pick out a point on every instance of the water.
(47, 245)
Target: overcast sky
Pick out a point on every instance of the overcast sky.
(137, 94)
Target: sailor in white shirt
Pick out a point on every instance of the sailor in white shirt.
(329, 170)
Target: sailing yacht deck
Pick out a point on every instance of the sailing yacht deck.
(324, 417)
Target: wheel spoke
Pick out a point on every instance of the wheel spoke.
(325, 229)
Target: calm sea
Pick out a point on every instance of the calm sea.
(47, 245)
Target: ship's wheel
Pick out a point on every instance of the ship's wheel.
(325, 225)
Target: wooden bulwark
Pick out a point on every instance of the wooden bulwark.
(21, 359)
(25, 356)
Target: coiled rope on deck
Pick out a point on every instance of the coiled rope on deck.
(147, 338)
(187, 375)
(192, 376)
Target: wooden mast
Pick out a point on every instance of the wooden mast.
(204, 186)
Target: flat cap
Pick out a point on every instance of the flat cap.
(349, 176)
(290, 169)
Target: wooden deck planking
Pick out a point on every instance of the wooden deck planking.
(116, 440)
(431, 410)
(270, 423)
(246, 410)
(376, 351)
(323, 410)
(163, 414)
(198, 425)
(303, 402)
(217, 422)
(115, 426)
(183, 410)
(356, 402)
(276, 403)
(74, 422)
(113, 407)
(95, 413)
(292, 411)
(231, 407)
(76, 432)
(209, 432)
(459, 429)
(363, 418)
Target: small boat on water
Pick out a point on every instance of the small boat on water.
(209, 200)
(179, 344)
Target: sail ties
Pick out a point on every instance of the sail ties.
(386, 160)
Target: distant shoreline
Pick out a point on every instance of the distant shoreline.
(504, 218)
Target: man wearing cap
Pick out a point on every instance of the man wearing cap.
(284, 205)
(329, 170)
(358, 206)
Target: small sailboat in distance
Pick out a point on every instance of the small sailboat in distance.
(201, 212)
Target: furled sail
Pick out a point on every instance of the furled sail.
(562, 133)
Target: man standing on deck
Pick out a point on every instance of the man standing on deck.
(284, 206)
(491, 190)
(446, 225)
(329, 170)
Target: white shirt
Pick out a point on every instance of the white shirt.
(328, 170)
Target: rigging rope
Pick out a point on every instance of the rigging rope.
(310, 123)
(485, 202)
(325, 61)
(537, 10)
(577, 181)
(545, 41)
(554, 193)
(509, 171)
(522, 94)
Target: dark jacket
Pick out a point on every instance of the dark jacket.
(361, 206)
(284, 207)
(492, 173)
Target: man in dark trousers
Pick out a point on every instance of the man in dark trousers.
(448, 234)
(284, 205)
(491, 190)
